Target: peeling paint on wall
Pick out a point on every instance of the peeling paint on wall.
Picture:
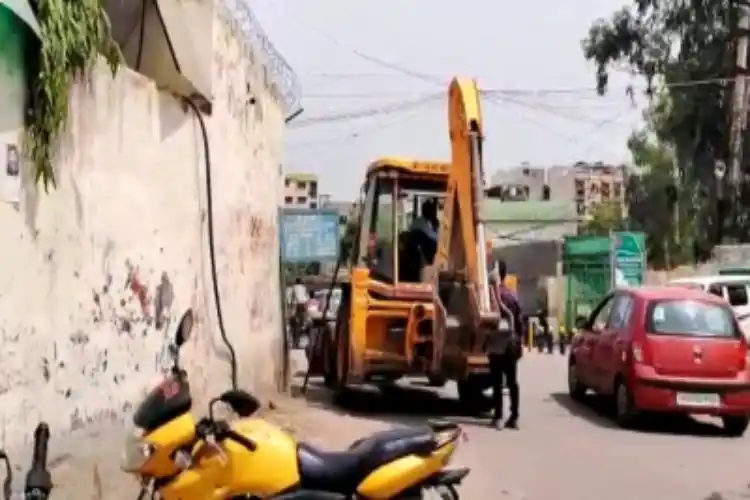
(103, 268)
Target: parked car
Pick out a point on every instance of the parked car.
(663, 349)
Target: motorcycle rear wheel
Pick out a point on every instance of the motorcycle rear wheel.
(440, 492)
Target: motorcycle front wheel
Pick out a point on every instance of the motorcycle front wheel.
(440, 492)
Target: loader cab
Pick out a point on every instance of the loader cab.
(395, 244)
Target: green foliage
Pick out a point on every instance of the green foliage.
(74, 33)
(684, 53)
(604, 218)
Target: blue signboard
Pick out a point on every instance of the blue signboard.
(309, 236)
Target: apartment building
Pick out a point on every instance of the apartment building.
(301, 191)
(587, 184)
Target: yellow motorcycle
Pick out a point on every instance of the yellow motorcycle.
(178, 458)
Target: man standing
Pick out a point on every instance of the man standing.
(505, 348)
(300, 296)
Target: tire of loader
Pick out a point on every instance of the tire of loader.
(471, 395)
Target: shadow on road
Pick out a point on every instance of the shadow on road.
(597, 410)
(393, 404)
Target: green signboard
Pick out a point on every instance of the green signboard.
(628, 256)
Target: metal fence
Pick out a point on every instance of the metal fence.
(239, 14)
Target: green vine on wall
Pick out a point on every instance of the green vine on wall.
(74, 33)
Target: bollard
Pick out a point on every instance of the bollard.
(562, 340)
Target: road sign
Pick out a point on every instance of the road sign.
(309, 236)
(628, 258)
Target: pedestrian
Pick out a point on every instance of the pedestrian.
(300, 296)
(505, 348)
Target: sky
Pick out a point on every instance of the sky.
(374, 77)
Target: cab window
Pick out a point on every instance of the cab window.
(381, 241)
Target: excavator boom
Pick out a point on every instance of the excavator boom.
(461, 244)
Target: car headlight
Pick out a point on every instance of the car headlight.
(136, 452)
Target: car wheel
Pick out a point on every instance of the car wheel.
(576, 389)
(735, 426)
(625, 411)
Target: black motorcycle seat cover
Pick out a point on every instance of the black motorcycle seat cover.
(342, 471)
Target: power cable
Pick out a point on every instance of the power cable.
(433, 79)
(212, 243)
(355, 135)
(361, 95)
(404, 105)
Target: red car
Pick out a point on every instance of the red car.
(663, 349)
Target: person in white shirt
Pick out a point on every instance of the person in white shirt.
(299, 293)
(300, 296)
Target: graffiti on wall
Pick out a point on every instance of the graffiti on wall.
(137, 308)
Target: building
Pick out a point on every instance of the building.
(587, 184)
(133, 134)
(301, 191)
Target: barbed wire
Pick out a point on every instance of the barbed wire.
(240, 15)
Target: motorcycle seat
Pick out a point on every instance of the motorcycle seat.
(342, 471)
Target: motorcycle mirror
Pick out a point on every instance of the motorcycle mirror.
(241, 402)
(8, 481)
(184, 328)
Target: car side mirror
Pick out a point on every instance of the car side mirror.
(242, 403)
(581, 323)
(184, 329)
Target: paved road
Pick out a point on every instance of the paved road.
(565, 451)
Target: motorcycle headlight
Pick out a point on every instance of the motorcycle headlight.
(136, 452)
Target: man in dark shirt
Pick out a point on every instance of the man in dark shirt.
(505, 349)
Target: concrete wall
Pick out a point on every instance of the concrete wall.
(95, 275)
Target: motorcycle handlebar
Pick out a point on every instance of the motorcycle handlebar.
(221, 431)
(38, 479)
(239, 438)
(41, 440)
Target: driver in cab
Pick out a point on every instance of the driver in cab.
(425, 230)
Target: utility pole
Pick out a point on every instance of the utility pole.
(739, 106)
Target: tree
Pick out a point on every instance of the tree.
(655, 205)
(685, 54)
(604, 218)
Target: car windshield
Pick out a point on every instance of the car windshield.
(690, 317)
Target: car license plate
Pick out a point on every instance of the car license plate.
(703, 400)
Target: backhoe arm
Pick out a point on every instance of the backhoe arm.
(461, 243)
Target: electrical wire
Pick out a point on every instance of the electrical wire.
(212, 243)
(433, 79)
(360, 95)
(404, 105)
(357, 134)
(141, 36)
